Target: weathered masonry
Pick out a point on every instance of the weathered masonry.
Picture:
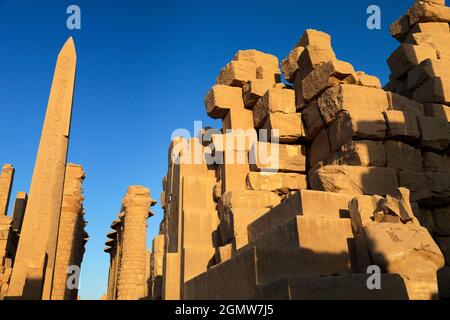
(353, 175)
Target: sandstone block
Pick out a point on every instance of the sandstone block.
(399, 86)
(397, 247)
(433, 27)
(364, 153)
(222, 98)
(257, 57)
(269, 73)
(275, 100)
(234, 223)
(439, 2)
(235, 140)
(235, 170)
(401, 103)
(6, 181)
(254, 90)
(312, 56)
(436, 90)
(362, 209)
(325, 76)
(348, 97)
(428, 12)
(402, 125)
(438, 41)
(398, 204)
(366, 80)
(430, 188)
(276, 182)
(249, 65)
(286, 127)
(300, 102)
(435, 133)
(308, 203)
(237, 73)
(428, 69)
(403, 156)
(407, 56)
(441, 221)
(312, 120)
(320, 148)
(434, 162)
(355, 180)
(238, 119)
(424, 216)
(356, 124)
(289, 65)
(249, 199)
(400, 28)
(440, 111)
(314, 37)
(313, 236)
(277, 157)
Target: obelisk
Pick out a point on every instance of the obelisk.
(32, 276)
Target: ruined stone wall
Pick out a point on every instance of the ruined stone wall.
(420, 71)
(188, 205)
(71, 237)
(6, 181)
(129, 272)
(9, 226)
(343, 163)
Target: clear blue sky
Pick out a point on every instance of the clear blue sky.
(143, 70)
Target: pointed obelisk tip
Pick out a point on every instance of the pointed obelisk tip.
(69, 48)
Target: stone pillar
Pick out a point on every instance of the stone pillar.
(157, 265)
(19, 211)
(5, 239)
(131, 277)
(70, 233)
(32, 277)
(6, 181)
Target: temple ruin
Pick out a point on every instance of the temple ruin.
(312, 183)
(129, 272)
(318, 178)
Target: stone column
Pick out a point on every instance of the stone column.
(69, 242)
(19, 211)
(131, 278)
(6, 181)
(32, 277)
(157, 264)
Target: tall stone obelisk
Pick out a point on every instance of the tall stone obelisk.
(32, 276)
